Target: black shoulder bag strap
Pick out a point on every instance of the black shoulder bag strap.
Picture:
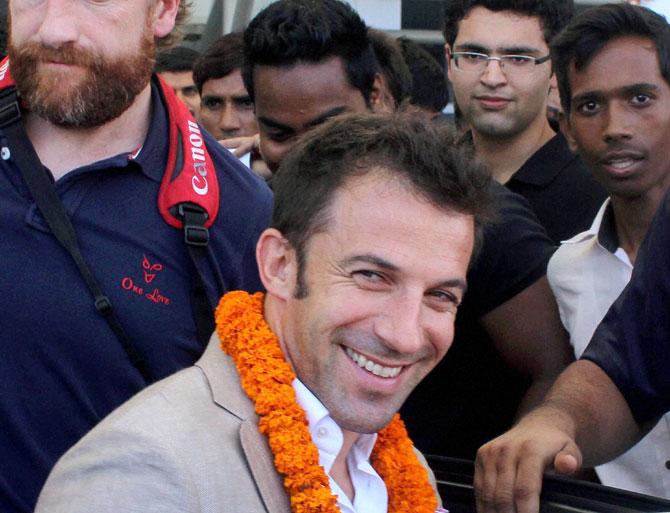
(43, 191)
(196, 237)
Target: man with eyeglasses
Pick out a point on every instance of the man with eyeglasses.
(500, 69)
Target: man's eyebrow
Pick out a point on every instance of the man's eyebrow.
(262, 120)
(626, 90)
(519, 50)
(325, 116)
(471, 47)
(370, 259)
(456, 283)
(242, 98)
(636, 88)
(501, 50)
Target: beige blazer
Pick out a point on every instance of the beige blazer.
(188, 443)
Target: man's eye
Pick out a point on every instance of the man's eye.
(443, 301)
(473, 57)
(518, 60)
(279, 137)
(588, 107)
(190, 91)
(368, 275)
(246, 103)
(371, 280)
(212, 103)
(641, 99)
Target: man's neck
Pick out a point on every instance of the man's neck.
(340, 470)
(504, 156)
(64, 149)
(632, 217)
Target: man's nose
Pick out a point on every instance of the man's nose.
(399, 325)
(493, 74)
(58, 22)
(229, 118)
(618, 123)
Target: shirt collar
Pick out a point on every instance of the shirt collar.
(547, 162)
(326, 434)
(152, 158)
(603, 228)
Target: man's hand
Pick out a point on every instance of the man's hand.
(240, 146)
(509, 469)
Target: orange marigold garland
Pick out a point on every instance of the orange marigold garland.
(267, 379)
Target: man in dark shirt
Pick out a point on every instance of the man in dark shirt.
(323, 66)
(101, 127)
(499, 66)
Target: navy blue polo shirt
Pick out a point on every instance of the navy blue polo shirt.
(62, 369)
(632, 343)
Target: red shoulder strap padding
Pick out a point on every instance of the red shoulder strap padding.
(6, 79)
(189, 175)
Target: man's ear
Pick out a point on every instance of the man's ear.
(277, 263)
(566, 129)
(164, 14)
(381, 99)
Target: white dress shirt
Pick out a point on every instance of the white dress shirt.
(370, 494)
(587, 273)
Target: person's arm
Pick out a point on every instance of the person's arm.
(112, 471)
(528, 333)
(583, 421)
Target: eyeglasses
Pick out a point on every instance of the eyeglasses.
(472, 62)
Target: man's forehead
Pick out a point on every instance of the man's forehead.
(303, 95)
(480, 23)
(227, 85)
(622, 63)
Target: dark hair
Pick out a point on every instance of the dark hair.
(426, 155)
(221, 58)
(553, 14)
(586, 35)
(429, 81)
(288, 32)
(178, 58)
(392, 65)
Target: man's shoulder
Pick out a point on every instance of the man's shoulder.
(569, 260)
(172, 447)
(514, 253)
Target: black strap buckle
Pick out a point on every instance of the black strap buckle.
(10, 110)
(103, 305)
(194, 217)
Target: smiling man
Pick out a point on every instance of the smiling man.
(86, 333)
(500, 69)
(373, 229)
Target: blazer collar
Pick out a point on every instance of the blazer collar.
(227, 393)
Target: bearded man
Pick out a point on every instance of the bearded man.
(87, 325)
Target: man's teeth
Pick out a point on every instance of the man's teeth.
(621, 163)
(374, 368)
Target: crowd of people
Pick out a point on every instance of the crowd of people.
(226, 273)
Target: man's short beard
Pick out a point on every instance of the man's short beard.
(107, 90)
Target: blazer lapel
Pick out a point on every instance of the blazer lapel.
(227, 393)
(261, 462)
